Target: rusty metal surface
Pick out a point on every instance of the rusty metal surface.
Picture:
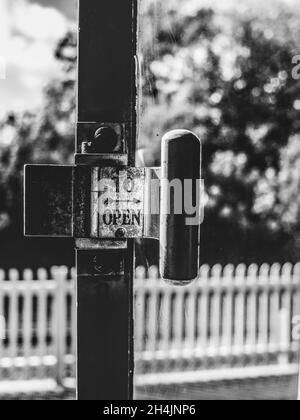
(93, 264)
(48, 201)
(107, 49)
(82, 201)
(90, 244)
(107, 92)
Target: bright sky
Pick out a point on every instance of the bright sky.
(29, 31)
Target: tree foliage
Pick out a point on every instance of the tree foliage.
(224, 72)
(228, 76)
(44, 136)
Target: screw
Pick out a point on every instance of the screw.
(129, 184)
(85, 147)
(120, 233)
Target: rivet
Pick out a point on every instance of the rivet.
(120, 233)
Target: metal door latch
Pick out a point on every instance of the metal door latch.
(101, 201)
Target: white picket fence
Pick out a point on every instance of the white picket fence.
(231, 321)
(38, 311)
(229, 318)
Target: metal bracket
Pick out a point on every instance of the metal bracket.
(92, 203)
(48, 201)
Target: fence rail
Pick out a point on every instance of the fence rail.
(230, 317)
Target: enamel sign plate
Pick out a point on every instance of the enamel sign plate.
(117, 203)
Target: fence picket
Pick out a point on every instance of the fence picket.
(252, 306)
(285, 313)
(240, 310)
(152, 320)
(42, 320)
(275, 309)
(166, 321)
(190, 321)
(139, 307)
(202, 330)
(61, 320)
(73, 323)
(27, 318)
(178, 311)
(13, 320)
(215, 308)
(263, 309)
(228, 310)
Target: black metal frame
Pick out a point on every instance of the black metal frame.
(107, 93)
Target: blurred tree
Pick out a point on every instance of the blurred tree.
(46, 136)
(222, 71)
(228, 76)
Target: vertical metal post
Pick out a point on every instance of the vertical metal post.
(106, 94)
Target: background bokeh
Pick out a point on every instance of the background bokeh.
(222, 69)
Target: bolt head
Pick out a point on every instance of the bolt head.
(129, 185)
(105, 140)
(121, 233)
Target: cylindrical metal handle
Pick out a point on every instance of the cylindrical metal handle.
(180, 207)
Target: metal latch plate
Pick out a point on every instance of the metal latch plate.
(117, 203)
